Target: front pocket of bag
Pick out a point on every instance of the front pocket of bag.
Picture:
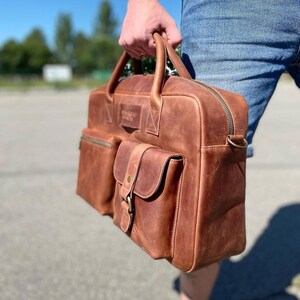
(154, 198)
(96, 183)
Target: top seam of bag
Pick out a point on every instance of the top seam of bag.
(163, 94)
(198, 193)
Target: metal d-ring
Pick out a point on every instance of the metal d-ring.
(245, 145)
(129, 202)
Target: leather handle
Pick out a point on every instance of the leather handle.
(163, 50)
(176, 61)
(116, 74)
(119, 68)
(173, 56)
(159, 76)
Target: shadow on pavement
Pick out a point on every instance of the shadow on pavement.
(268, 269)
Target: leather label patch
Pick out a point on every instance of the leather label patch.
(130, 115)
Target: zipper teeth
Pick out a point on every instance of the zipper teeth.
(224, 105)
(98, 142)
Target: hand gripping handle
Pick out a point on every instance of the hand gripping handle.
(163, 51)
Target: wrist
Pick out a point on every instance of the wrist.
(142, 0)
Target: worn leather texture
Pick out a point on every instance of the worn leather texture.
(171, 169)
(151, 177)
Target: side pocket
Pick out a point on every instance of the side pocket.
(222, 203)
(153, 196)
(95, 182)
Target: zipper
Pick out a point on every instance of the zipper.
(98, 142)
(224, 104)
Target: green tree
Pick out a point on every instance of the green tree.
(104, 45)
(105, 24)
(82, 54)
(37, 51)
(64, 38)
(12, 57)
(35, 37)
(105, 52)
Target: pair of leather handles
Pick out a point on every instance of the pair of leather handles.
(163, 51)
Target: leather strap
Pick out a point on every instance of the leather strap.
(162, 50)
(127, 187)
(176, 61)
(133, 169)
(173, 56)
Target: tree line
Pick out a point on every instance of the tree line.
(84, 53)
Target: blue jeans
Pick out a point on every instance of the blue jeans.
(242, 46)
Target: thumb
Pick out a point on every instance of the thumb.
(173, 35)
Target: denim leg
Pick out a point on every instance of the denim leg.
(241, 46)
(294, 70)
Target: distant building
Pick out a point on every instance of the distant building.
(56, 73)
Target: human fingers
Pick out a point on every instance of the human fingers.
(131, 46)
(172, 34)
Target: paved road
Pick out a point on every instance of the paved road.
(54, 246)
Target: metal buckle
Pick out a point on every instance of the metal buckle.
(245, 145)
(129, 202)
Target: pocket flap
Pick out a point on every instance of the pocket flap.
(95, 135)
(153, 166)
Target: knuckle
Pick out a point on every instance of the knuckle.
(121, 42)
(176, 41)
(130, 42)
(126, 41)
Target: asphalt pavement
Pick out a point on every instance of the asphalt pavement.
(55, 246)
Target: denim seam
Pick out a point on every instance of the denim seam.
(296, 59)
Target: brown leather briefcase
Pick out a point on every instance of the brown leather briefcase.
(164, 156)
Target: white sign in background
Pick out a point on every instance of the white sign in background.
(55, 73)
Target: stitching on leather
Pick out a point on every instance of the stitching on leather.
(168, 159)
(213, 146)
(121, 92)
(153, 123)
(136, 168)
(178, 205)
(109, 116)
(198, 208)
(227, 105)
(198, 192)
(131, 94)
(148, 94)
(197, 103)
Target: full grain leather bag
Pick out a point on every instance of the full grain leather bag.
(164, 156)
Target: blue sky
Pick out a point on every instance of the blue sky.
(19, 17)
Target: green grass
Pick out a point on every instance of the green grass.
(28, 83)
